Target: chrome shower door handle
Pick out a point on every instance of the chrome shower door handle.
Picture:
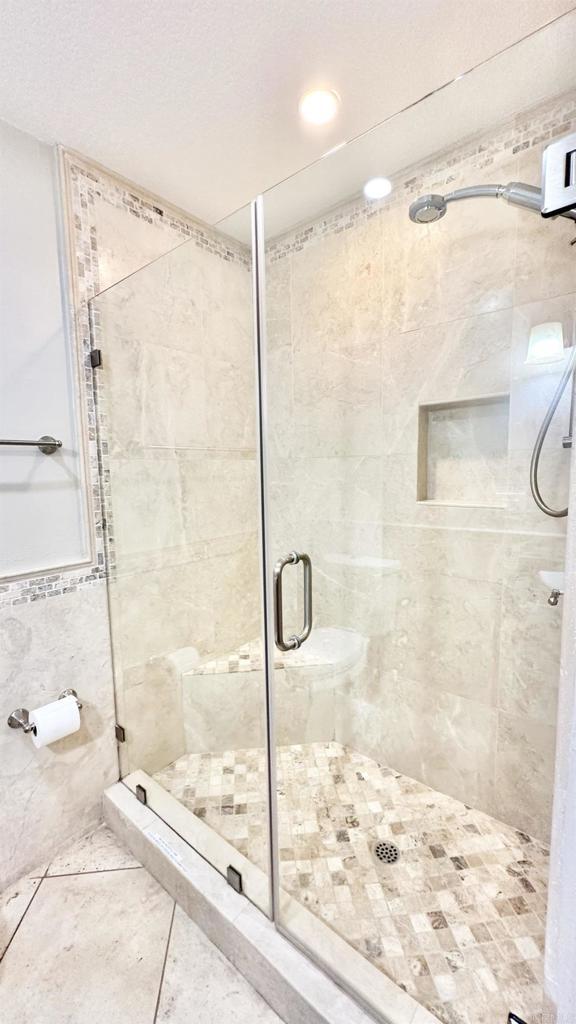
(295, 641)
(307, 628)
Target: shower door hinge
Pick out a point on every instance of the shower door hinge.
(95, 357)
(234, 878)
(120, 733)
(141, 794)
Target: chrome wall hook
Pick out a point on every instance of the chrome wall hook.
(20, 719)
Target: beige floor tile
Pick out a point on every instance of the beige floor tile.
(200, 985)
(98, 851)
(91, 949)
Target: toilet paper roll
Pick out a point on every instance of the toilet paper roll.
(54, 721)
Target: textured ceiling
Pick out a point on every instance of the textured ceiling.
(197, 99)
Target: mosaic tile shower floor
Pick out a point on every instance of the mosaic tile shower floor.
(458, 921)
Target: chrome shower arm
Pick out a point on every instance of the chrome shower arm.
(517, 193)
(475, 192)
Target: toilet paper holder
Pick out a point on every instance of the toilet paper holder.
(20, 719)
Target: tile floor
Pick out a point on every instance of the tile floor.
(92, 937)
(458, 921)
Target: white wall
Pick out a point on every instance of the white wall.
(43, 523)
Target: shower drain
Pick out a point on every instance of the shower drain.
(385, 852)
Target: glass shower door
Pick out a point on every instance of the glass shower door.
(331, 570)
(177, 435)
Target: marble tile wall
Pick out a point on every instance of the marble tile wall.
(51, 794)
(369, 317)
(464, 453)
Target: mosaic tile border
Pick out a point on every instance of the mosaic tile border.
(82, 184)
(531, 128)
(89, 183)
(53, 584)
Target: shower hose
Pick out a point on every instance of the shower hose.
(535, 460)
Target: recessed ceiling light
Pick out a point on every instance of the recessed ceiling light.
(377, 188)
(319, 106)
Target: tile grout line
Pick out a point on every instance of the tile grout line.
(69, 874)
(94, 871)
(164, 964)
(14, 933)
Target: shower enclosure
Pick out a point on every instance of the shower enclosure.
(336, 664)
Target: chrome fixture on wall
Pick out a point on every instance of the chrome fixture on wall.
(20, 719)
(559, 177)
(556, 198)
(430, 208)
(47, 444)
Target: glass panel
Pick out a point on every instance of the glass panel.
(177, 419)
(415, 728)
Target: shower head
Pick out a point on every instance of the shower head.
(427, 209)
(430, 208)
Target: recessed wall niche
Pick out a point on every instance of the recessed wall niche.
(463, 451)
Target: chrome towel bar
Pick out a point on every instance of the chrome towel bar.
(46, 444)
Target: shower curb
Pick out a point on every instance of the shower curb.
(297, 990)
